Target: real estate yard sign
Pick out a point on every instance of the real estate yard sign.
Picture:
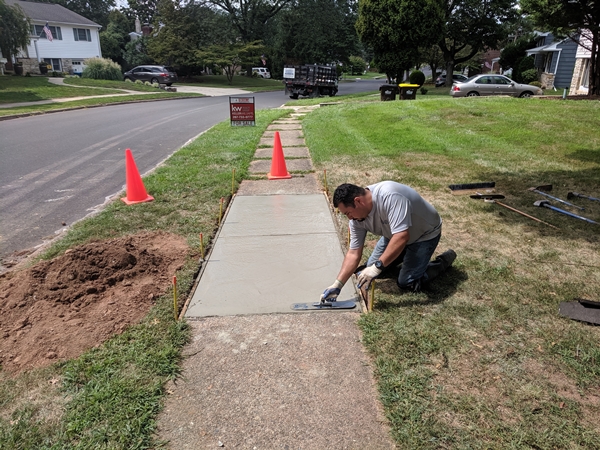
(241, 111)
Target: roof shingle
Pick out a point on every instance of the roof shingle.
(51, 13)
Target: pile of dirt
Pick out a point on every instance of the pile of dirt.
(58, 309)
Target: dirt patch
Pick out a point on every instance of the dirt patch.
(58, 309)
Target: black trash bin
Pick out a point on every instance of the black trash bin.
(388, 92)
(408, 91)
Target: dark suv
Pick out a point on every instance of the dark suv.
(153, 74)
(441, 80)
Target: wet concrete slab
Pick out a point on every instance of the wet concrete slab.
(292, 165)
(288, 152)
(272, 251)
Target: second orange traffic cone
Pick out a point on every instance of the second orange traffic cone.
(136, 192)
(278, 167)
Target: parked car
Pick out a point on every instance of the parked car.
(153, 74)
(493, 85)
(441, 80)
(262, 72)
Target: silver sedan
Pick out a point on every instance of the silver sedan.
(492, 85)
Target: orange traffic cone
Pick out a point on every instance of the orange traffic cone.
(136, 192)
(278, 168)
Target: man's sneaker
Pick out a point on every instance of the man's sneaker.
(448, 257)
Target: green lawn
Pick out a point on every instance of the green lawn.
(482, 359)
(254, 84)
(479, 360)
(30, 89)
(15, 89)
(77, 81)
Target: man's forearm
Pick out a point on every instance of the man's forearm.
(395, 246)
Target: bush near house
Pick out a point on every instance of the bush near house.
(529, 76)
(102, 69)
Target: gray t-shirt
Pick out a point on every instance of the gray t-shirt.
(396, 207)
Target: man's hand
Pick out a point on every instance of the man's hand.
(331, 293)
(366, 275)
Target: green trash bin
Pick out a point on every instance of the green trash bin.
(408, 91)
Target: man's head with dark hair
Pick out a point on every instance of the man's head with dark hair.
(346, 193)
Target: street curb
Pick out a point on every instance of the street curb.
(74, 108)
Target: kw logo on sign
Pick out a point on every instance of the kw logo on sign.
(237, 108)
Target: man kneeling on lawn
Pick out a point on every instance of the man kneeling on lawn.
(410, 230)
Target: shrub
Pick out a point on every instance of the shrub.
(102, 69)
(147, 83)
(357, 65)
(423, 90)
(156, 85)
(529, 76)
(128, 80)
(139, 82)
(417, 77)
(536, 83)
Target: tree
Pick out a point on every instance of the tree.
(250, 17)
(144, 10)
(230, 58)
(95, 10)
(183, 30)
(579, 19)
(432, 56)
(170, 43)
(114, 39)
(514, 53)
(328, 37)
(15, 29)
(471, 26)
(136, 53)
(395, 29)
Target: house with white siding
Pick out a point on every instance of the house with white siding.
(580, 82)
(74, 38)
(554, 60)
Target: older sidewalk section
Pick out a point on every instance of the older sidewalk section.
(258, 375)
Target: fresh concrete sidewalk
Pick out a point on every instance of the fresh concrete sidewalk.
(258, 375)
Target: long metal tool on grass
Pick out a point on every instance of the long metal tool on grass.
(546, 204)
(575, 194)
(493, 198)
(548, 187)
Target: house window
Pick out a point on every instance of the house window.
(82, 34)
(38, 30)
(55, 63)
(585, 77)
(548, 62)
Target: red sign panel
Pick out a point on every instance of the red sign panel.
(241, 111)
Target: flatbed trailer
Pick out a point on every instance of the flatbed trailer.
(310, 80)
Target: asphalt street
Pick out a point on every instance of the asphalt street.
(57, 168)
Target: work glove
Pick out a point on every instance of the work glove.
(331, 293)
(366, 275)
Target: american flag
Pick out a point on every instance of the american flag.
(48, 32)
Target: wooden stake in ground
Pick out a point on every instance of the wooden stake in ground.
(175, 298)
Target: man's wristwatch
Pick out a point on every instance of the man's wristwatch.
(379, 264)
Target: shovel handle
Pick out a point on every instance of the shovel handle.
(526, 215)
